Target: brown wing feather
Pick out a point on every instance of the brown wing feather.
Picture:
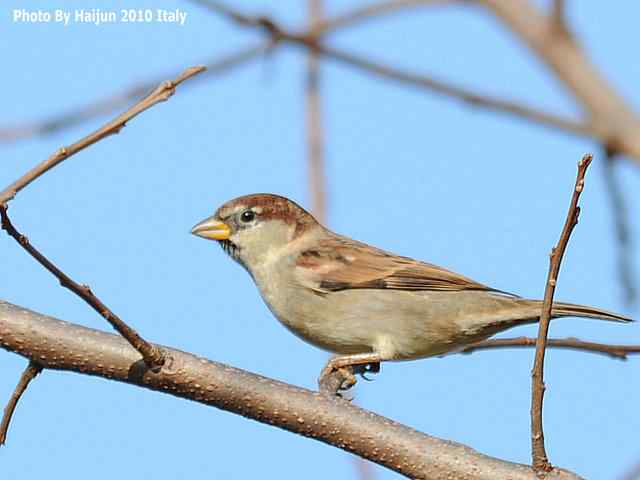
(340, 264)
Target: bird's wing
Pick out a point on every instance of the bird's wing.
(337, 264)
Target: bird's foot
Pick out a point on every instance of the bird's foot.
(339, 374)
(334, 381)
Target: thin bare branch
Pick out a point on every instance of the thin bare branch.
(160, 94)
(32, 370)
(538, 452)
(64, 346)
(624, 245)
(153, 357)
(57, 123)
(315, 143)
(464, 95)
(620, 352)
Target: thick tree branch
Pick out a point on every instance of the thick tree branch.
(160, 94)
(57, 123)
(538, 452)
(32, 370)
(64, 346)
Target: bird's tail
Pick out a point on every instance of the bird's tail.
(561, 309)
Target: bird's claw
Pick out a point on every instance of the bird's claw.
(336, 379)
(362, 370)
(332, 380)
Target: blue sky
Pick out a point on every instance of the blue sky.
(482, 194)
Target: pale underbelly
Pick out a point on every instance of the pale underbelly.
(362, 321)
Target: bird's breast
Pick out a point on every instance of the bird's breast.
(309, 314)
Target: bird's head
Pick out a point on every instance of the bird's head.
(253, 227)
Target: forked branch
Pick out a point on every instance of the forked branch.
(152, 356)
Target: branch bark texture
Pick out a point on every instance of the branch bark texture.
(60, 345)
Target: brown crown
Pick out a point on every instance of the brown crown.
(273, 207)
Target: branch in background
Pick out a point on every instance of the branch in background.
(538, 452)
(467, 96)
(618, 131)
(57, 123)
(160, 94)
(612, 122)
(609, 112)
(614, 351)
(470, 97)
(32, 370)
(369, 12)
(152, 356)
(315, 152)
(63, 346)
(623, 233)
(559, 17)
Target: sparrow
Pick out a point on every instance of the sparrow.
(361, 303)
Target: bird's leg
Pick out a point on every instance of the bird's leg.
(345, 366)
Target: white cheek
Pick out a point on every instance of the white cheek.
(261, 244)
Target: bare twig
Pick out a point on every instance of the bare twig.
(314, 123)
(111, 103)
(623, 233)
(160, 94)
(32, 370)
(538, 452)
(64, 346)
(467, 96)
(614, 351)
(152, 356)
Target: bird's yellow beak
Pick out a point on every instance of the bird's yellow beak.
(212, 228)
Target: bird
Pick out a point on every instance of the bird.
(363, 304)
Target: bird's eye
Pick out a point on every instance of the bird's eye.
(247, 216)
